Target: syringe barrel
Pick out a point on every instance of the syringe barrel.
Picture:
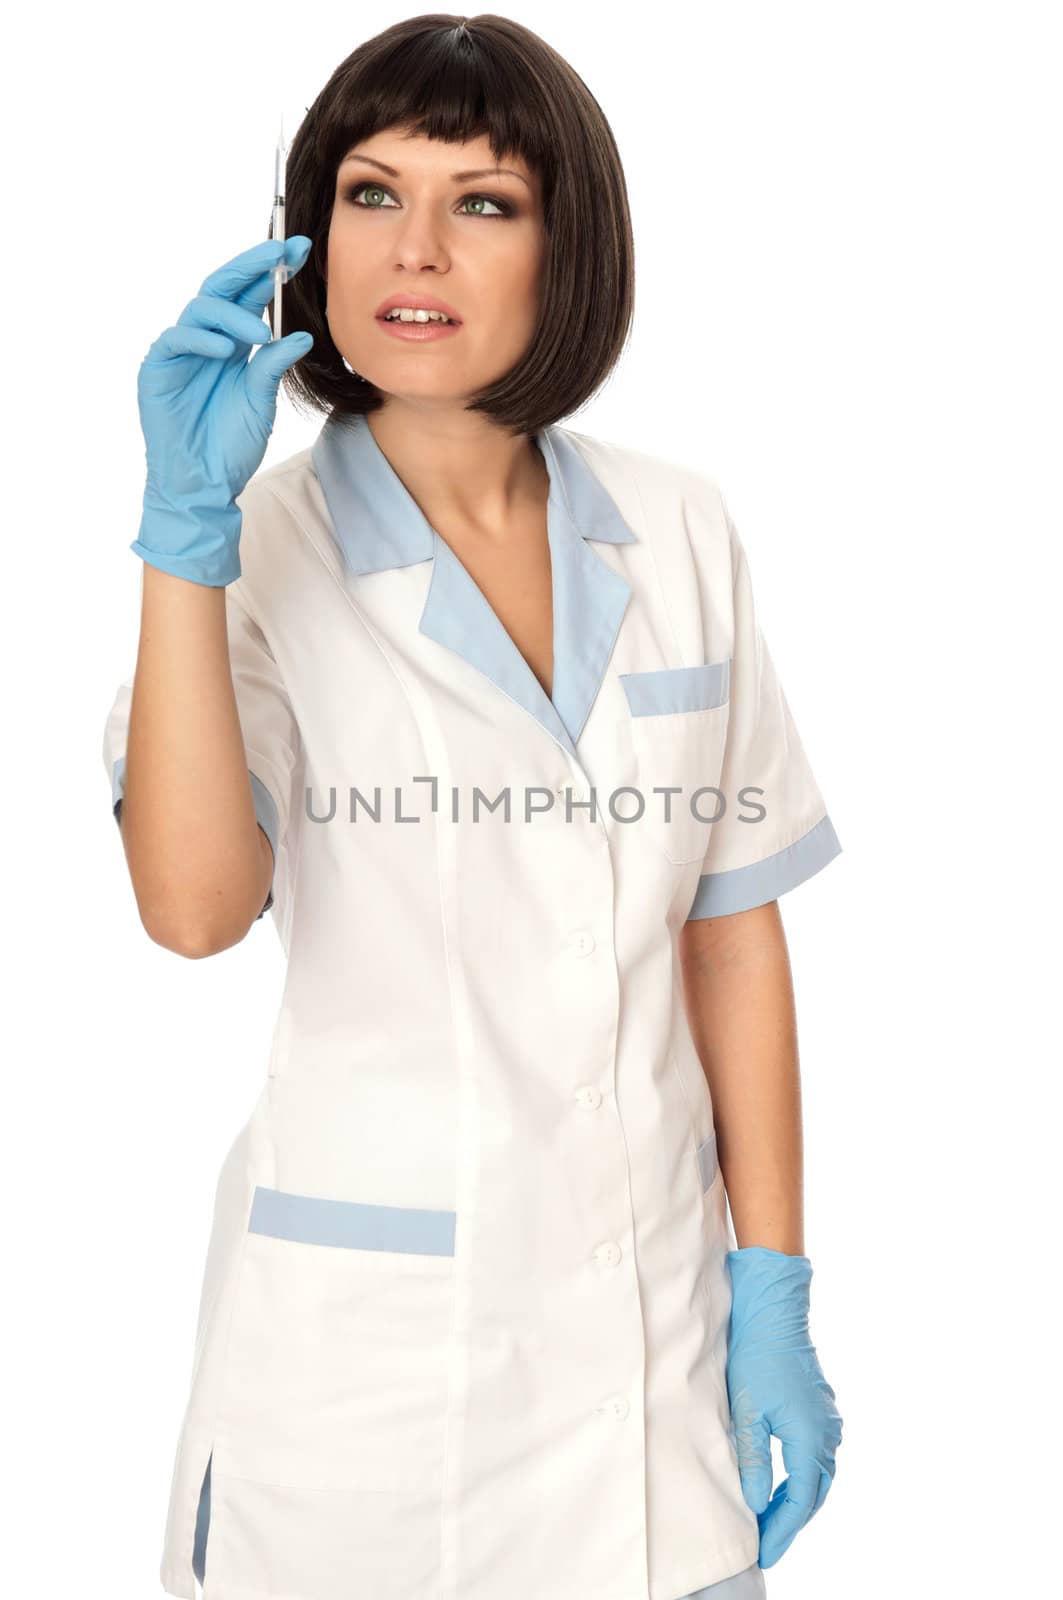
(278, 233)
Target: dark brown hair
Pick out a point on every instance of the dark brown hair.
(456, 78)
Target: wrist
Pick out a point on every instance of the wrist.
(201, 545)
(759, 1274)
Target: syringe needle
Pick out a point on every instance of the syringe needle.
(279, 272)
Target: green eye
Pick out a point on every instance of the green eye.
(482, 199)
(503, 208)
(371, 188)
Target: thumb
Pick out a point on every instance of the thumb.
(269, 364)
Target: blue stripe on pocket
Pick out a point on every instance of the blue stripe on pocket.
(707, 1164)
(697, 688)
(351, 1224)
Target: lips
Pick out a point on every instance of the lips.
(416, 302)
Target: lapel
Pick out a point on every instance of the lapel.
(379, 526)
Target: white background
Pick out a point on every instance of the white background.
(848, 309)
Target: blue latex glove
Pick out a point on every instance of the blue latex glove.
(207, 413)
(776, 1385)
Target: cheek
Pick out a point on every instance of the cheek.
(342, 272)
(514, 289)
(533, 279)
(344, 258)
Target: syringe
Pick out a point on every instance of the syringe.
(280, 272)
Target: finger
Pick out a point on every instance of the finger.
(259, 290)
(188, 340)
(296, 251)
(239, 273)
(239, 322)
(772, 1541)
(825, 1481)
(790, 1509)
(265, 370)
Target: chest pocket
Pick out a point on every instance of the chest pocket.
(679, 721)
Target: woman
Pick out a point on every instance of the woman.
(470, 1325)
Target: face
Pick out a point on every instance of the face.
(417, 217)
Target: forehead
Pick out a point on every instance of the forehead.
(408, 154)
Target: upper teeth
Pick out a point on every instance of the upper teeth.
(404, 314)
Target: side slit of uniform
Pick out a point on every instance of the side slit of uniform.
(199, 1547)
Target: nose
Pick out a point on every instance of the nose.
(420, 244)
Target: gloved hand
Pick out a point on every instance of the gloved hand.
(207, 413)
(776, 1385)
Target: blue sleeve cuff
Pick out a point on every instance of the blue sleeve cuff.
(740, 889)
(265, 813)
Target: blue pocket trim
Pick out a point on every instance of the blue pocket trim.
(707, 1163)
(350, 1224)
(650, 694)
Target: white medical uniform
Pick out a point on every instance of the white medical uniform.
(463, 1327)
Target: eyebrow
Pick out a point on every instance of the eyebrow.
(457, 177)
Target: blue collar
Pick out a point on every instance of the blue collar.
(379, 526)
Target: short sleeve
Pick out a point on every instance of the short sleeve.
(774, 831)
(270, 732)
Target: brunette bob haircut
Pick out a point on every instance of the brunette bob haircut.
(455, 78)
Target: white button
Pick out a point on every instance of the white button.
(588, 1097)
(609, 1253)
(582, 942)
(617, 1406)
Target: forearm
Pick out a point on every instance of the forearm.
(739, 998)
(197, 858)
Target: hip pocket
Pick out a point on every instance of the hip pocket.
(708, 1166)
(717, 1239)
(336, 1371)
(679, 718)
